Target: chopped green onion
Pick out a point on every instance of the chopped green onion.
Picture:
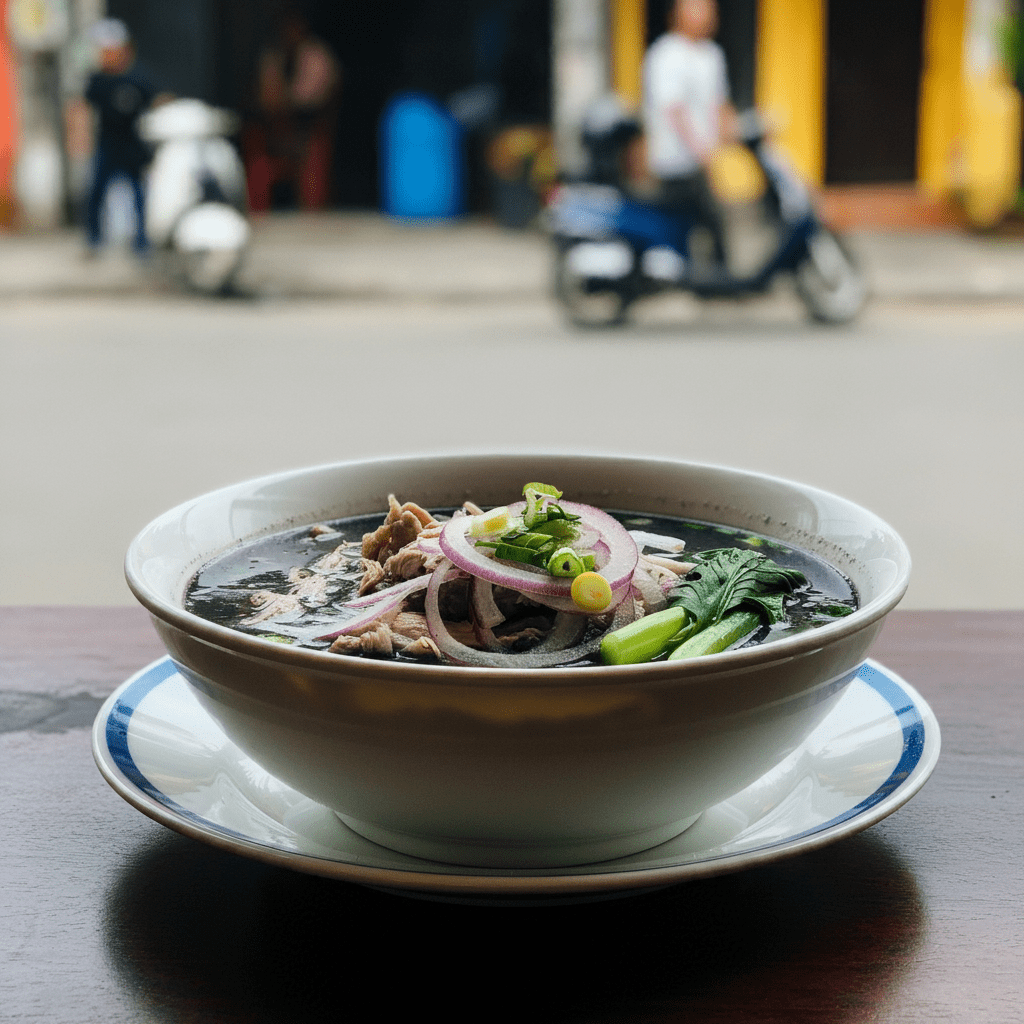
(535, 540)
(565, 562)
(517, 553)
(591, 592)
(535, 494)
(490, 522)
(537, 511)
(547, 489)
(560, 528)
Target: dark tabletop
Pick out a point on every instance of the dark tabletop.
(107, 916)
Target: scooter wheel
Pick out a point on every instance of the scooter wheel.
(829, 281)
(588, 302)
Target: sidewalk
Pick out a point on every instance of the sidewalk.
(366, 256)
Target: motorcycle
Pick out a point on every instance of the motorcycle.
(612, 249)
(196, 197)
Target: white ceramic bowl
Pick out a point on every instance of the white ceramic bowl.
(523, 768)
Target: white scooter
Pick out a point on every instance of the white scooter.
(196, 197)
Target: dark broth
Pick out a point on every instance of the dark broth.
(222, 590)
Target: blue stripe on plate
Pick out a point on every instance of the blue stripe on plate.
(117, 743)
(912, 724)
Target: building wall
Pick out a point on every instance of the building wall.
(969, 114)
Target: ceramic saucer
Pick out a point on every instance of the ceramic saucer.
(163, 754)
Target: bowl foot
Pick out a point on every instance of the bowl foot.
(485, 853)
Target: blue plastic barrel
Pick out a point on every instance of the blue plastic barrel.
(422, 161)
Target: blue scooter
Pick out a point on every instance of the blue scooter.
(612, 249)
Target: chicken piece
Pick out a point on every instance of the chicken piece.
(405, 632)
(312, 589)
(333, 561)
(464, 633)
(411, 625)
(269, 605)
(401, 525)
(373, 573)
(424, 647)
(522, 639)
(375, 640)
(407, 563)
(425, 518)
(319, 529)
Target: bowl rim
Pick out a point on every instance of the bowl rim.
(369, 669)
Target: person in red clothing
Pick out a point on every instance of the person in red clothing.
(291, 139)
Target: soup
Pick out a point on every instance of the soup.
(358, 587)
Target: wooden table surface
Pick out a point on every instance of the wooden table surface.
(107, 916)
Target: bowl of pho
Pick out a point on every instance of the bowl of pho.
(518, 660)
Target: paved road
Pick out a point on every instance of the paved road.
(112, 411)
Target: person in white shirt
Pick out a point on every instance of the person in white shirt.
(687, 114)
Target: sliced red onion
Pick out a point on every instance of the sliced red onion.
(428, 545)
(621, 561)
(388, 593)
(485, 610)
(567, 631)
(387, 601)
(459, 653)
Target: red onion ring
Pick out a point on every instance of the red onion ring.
(539, 657)
(386, 601)
(376, 596)
(617, 570)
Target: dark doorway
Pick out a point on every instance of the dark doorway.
(438, 47)
(873, 72)
(211, 48)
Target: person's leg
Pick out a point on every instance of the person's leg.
(260, 172)
(690, 198)
(710, 215)
(101, 175)
(141, 243)
(314, 184)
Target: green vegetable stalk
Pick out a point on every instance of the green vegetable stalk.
(726, 596)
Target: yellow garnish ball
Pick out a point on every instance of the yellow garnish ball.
(590, 592)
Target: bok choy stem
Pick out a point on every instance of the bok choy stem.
(722, 635)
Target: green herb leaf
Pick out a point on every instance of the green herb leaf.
(725, 578)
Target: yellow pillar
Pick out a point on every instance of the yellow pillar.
(970, 113)
(940, 155)
(992, 120)
(790, 77)
(628, 36)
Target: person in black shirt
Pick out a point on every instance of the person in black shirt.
(120, 92)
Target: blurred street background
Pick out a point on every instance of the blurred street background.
(359, 328)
